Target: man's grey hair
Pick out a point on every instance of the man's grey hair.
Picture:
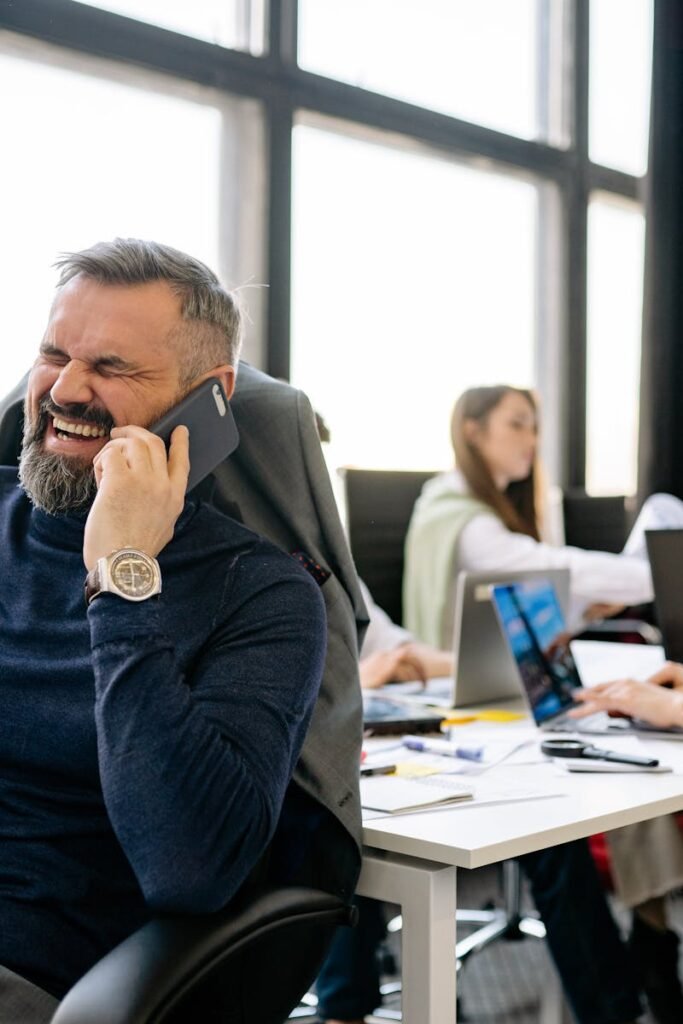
(212, 335)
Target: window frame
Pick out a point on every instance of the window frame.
(283, 89)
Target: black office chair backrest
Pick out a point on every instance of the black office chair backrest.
(379, 504)
(597, 524)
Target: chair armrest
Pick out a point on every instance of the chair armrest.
(156, 966)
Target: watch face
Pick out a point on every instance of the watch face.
(132, 574)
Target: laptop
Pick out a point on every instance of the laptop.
(383, 716)
(534, 628)
(665, 551)
(484, 667)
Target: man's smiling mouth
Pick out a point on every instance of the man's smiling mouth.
(65, 430)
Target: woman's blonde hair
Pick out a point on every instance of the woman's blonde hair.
(518, 505)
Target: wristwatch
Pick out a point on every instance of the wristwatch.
(129, 573)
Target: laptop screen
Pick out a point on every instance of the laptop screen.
(533, 626)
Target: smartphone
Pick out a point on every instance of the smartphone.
(213, 433)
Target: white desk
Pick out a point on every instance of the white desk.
(412, 859)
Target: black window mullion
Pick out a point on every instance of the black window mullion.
(282, 45)
(576, 220)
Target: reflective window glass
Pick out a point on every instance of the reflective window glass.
(616, 236)
(413, 279)
(98, 160)
(619, 93)
(477, 61)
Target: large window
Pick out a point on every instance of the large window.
(615, 305)
(620, 69)
(414, 277)
(479, 61)
(101, 158)
(416, 198)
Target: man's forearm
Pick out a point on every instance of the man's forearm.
(193, 771)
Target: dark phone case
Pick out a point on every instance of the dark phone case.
(213, 433)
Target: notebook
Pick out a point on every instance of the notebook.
(395, 795)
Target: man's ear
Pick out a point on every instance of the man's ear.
(226, 375)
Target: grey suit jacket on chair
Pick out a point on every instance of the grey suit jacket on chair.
(277, 483)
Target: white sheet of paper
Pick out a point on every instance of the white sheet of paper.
(600, 662)
(393, 794)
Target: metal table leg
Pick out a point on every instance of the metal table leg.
(427, 895)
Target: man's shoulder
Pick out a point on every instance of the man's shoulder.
(236, 546)
(9, 484)
(8, 475)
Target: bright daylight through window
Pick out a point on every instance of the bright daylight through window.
(414, 278)
(133, 172)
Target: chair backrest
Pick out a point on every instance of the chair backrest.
(379, 504)
(597, 524)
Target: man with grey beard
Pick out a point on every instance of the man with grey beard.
(147, 737)
(60, 483)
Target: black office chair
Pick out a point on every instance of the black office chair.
(245, 965)
(602, 524)
(595, 523)
(379, 505)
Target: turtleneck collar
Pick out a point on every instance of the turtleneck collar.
(66, 531)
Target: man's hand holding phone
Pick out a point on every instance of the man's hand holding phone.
(140, 492)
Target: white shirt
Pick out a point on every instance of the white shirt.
(382, 634)
(486, 545)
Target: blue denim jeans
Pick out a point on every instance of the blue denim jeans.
(591, 958)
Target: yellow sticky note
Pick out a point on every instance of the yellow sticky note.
(412, 770)
(498, 715)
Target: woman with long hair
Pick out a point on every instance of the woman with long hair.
(487, 515)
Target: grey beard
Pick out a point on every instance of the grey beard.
(55, 483)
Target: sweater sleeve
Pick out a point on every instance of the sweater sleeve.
(194, 768)
(596, 576)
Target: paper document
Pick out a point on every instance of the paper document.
(482, 794)
(600, 662)
(584, 764)
(473, 752)
(392, 794)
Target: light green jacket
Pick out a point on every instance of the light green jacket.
(441, 512)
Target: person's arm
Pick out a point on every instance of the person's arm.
(486, 545)
(390, 655)
(403, 664)
(382, 634)
(193, 769)
(658, 700)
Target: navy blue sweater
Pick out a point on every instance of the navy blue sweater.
(144, 748)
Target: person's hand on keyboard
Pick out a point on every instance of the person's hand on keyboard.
(659, 700)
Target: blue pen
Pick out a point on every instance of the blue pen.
(443, 747)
